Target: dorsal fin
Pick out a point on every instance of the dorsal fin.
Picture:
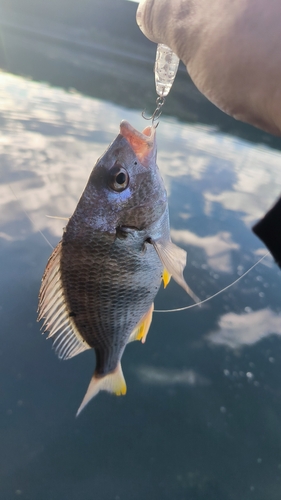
(53, 308)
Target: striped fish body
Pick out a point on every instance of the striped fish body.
(110, 282)
(100, 282)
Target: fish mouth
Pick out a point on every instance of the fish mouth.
(142, 143)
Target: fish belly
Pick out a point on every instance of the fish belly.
(108, 287)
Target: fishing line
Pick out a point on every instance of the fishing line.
(29, 218)
(56, 217)
(215, 294)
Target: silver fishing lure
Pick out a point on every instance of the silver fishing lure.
(165, 70)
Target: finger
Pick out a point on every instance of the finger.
(232, 51)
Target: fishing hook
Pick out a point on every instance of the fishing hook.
(160, 101)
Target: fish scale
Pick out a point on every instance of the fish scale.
(114, 292)
(100, 282)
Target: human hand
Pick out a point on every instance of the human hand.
(231, 49)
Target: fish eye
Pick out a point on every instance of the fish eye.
(118, 178)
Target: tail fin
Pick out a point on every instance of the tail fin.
(113, 382)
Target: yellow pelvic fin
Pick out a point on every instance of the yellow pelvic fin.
(166, 277)
(113, 382)
(141, 330)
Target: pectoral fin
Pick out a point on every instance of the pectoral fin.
(173, 259)
(113, 382)
(141, 330)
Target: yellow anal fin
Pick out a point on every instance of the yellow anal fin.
(141, 330)
(166, 278)
(113, 382)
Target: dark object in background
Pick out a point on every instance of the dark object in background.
(268, 230)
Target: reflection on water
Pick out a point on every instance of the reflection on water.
(166, 377)
(237, 330)
(199, 411)
(217, 247)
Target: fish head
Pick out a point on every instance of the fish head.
(125, 187)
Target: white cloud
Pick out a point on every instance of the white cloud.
(168, 377)
(217, 247)
(49, 134)
(238, 330)
(251, 173)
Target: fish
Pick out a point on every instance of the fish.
(100, 282)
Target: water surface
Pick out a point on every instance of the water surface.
(201, 419)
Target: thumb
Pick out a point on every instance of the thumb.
(232, 52)
(158, 20)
